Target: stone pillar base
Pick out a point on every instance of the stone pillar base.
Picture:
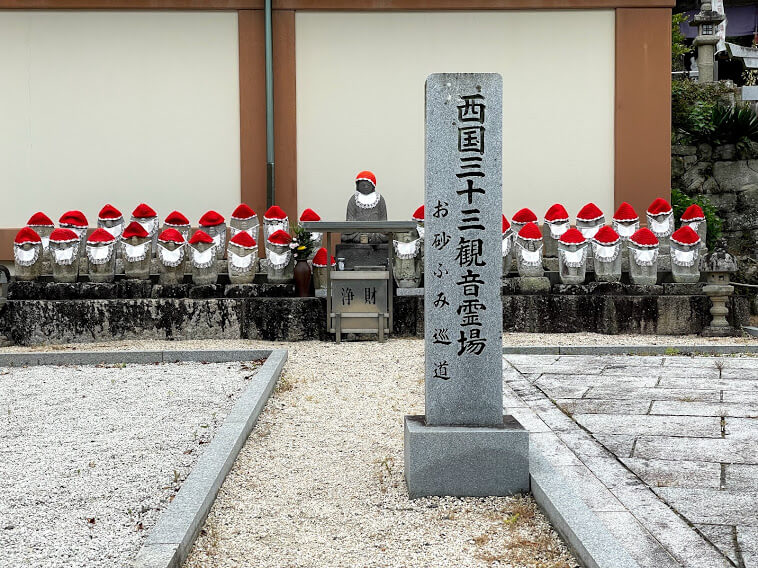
(465, 461)
(711, 331)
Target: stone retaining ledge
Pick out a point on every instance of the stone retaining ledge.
(631, 349)
(31, 359)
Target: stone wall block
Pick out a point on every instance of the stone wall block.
(732, 176)
(704, 152)
(679, 150)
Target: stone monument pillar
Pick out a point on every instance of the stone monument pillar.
(464, 446)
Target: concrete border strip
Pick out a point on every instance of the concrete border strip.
(630, 349)
(31, 358)
(171, 539)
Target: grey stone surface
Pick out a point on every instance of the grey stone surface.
(705, 426)
(465, 460)
(711, 506)
(694, 408)
(667, 473)
(723, 537)
(410, 292)
(463, 210)
(532, 285)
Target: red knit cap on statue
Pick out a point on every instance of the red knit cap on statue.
(366, 176)
(211, 219)
(659, 206)
(589, 212)
(644, 238)
(39, 219)
(177, 219)
(530, 232)
(244, 240)
(243, 212)
(685, 236)
(143, 211)
(27, 235)
(63, 236)
(506, 225)
(74, 219)
(524, 215)
(418, 214)
(274, 213)
(557, 212)
(310, 215)
(625, 212)
(171, 236)
(693, 213)
(109, 213)
(280, 238)
(572, 237)
(100, 236)
(134, 229)
(200, 237)
(606, 236)
(320, 259)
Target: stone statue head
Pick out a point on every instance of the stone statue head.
(365, 182)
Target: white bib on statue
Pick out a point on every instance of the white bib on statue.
(135, 253)
(645, 257)
(557, 229)
(574, 259)
(506, 245)
(203, 259)
(272, 228)
(589, 232)
(99, 255)
(116, 230)
(45, 242)
(625, 230)
(367, 201)
(533, 257)
(170, 258)
(149, 225)
(63, 256)
(241, 263)
(606, 253)
(661, 227)
(406, 250)
(25, 257)
(420, 231)
(683, 257)
(278, 260)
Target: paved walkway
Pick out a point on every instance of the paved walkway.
(663, 449)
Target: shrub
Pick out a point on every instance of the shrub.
(691, 105)
(680, 201)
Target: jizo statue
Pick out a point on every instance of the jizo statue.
(366, 204)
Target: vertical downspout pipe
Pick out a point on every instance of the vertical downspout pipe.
(270, 194)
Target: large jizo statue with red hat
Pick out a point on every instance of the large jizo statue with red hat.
(27, 254)
(366, 204)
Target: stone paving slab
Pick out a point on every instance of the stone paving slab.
(724, 537)
(704, 449)
(741, 477)
(747, 539)
(711, 506)
(695, 408)
(684, 394)
(667, 473)
(686, 382)
(600, 406)
(702, 426)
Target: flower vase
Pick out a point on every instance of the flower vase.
(302, 278)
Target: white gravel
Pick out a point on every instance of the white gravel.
(90, 456)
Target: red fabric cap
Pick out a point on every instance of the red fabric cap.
(171, 236)
(625, 212)
(589, 212)
(63, 236)
(366, 175)
(310, 215)
(100, 236)
(659, 206)
(280, 238)
(200, 237)
(40, 219)
(557, 212)
(108, 213)
(572, 237)
(418, 214)
(243, 239)
(524, 215)
(143, 211)
(243, 211)
(693, 213)
(28, 235)
(685, 236)
(530, 232)
(211, 219)
(644, 238)
(506, 224)
(176, 218)
(274, 213)
(73, 218)
(606, 236)
(320, 258)
(134, 229)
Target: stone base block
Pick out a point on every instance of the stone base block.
(532, 285)
(465, 461)
(720, 332)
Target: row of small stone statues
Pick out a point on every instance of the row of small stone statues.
(606, 249)
(139, 248)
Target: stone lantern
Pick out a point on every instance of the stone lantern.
(718, 266)
(406, 267)
(244, 219)
(77, 222)
(148, 218)
(172, 255)
(572, 257)
(589, 220)
(281, 263)
(643, 257)
(660, 220)
(625, 222)
(707, 22)
(243, 258)
(274, 219)
(685, 255)
(27, 254)
(43, 226)
(64, 255)
(320, 267)
(694, 218)
(529, 251)
(521, 218)
(203, 263)
(136, 251)
(556, 223)
(111, 220)
(214, 224)
(606, 249)
(100, 256)
(177, 221)
(507, 248)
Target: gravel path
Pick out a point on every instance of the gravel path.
(320, 481)
(90, 456)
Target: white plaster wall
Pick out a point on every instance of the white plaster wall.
(118, 107)
(360, 102)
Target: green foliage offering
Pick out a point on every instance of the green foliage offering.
(678, 45)
(302, 243)
(680, 201)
